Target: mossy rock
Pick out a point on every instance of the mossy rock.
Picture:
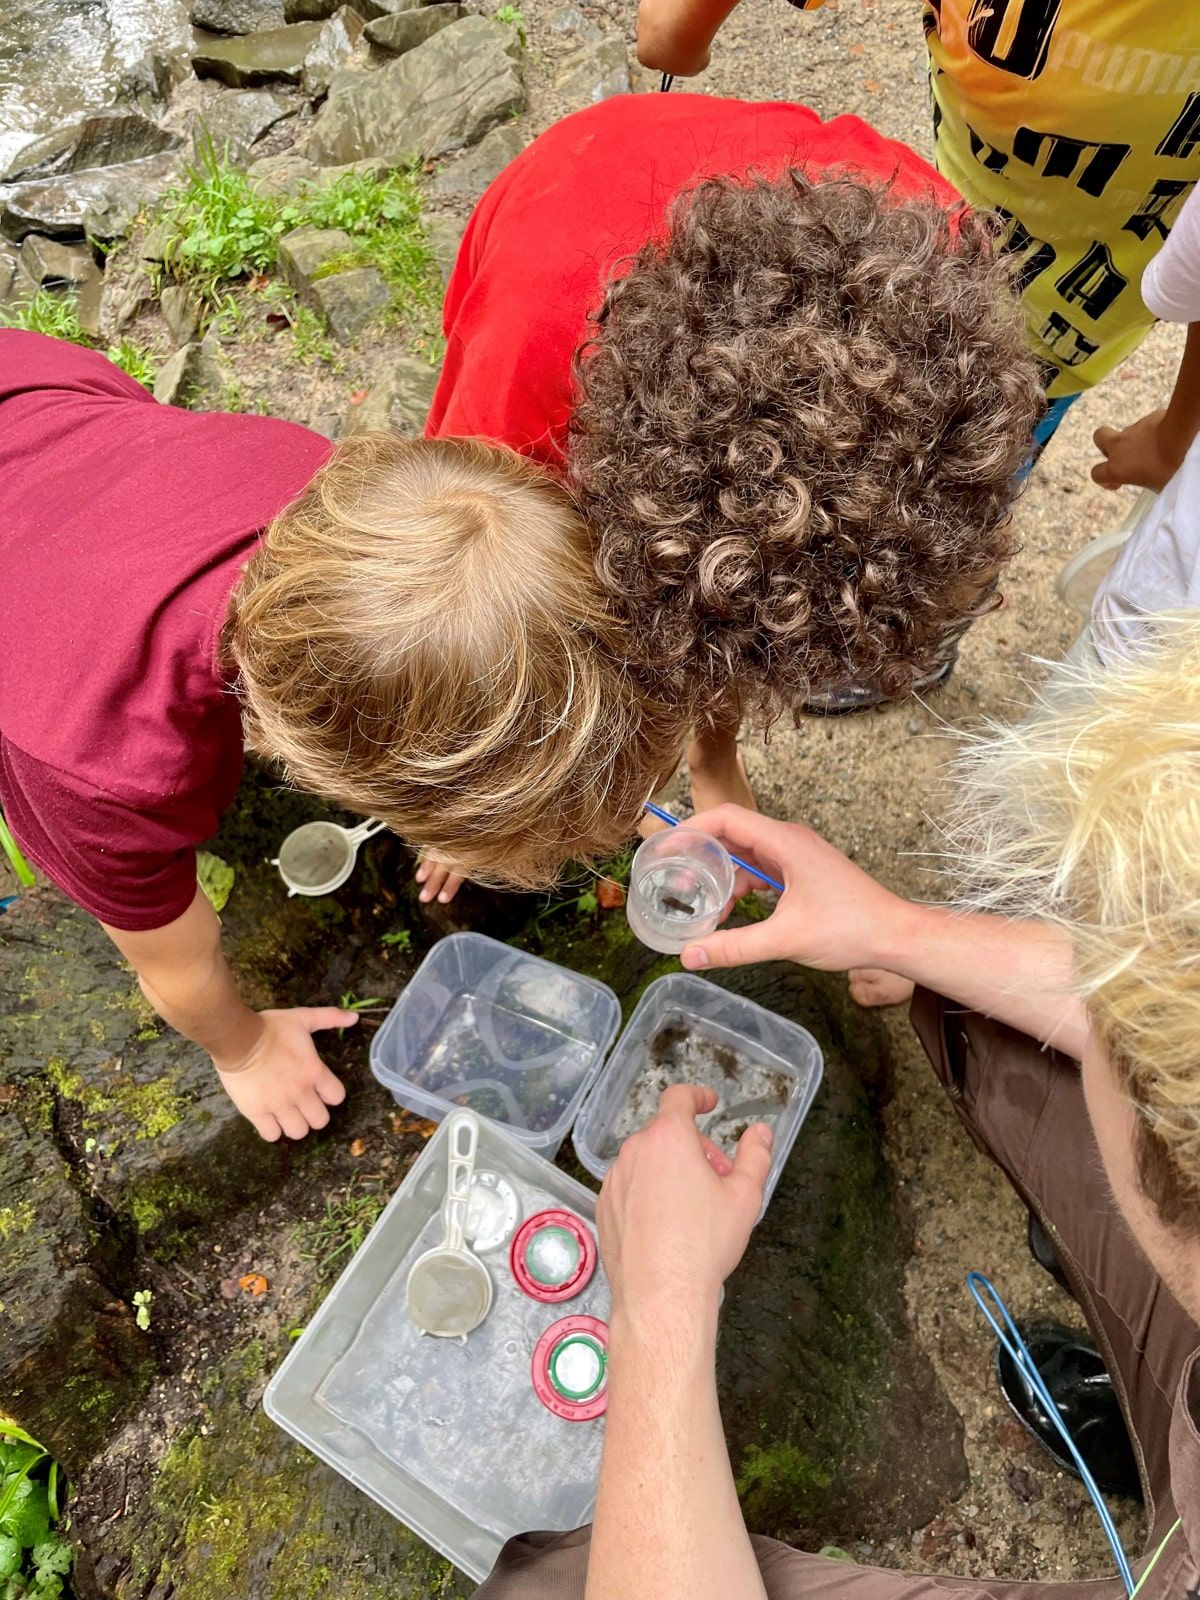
(71, 1358)
(238, 1510)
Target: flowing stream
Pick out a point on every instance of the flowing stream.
(61, 57)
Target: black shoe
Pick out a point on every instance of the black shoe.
(1041, 1248)
(1073, 1371)
(848, 699)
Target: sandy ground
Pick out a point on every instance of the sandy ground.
(870, 784)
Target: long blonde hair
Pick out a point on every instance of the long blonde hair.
(1088, 816)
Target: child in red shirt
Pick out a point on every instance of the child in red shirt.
(371, 641)
(777, 364)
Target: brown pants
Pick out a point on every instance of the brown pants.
(1024, 1107)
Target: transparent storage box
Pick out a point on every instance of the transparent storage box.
(685, 1029)
(506, 1034)
(449, 1437)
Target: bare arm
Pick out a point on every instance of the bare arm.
(834, 916)
(266, 1059)
(675, 35)
(674, 1218)
(1150, 451)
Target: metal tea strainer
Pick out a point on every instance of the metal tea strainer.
(449, 1290)
(318, 857)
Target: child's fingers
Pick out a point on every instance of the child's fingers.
(314, 1111)
(291, 1120)
(331, 1089)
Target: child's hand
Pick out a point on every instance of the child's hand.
(1144, 454)
(438, 882)
(281, 1085)
(832, 916)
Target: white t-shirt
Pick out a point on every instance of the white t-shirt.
(1158, 568)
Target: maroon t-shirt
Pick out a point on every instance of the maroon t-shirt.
(124, 525)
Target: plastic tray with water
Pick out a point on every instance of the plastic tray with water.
(506, 1034)
(448, 1437)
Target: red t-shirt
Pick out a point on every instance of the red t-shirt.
(124, 526)
(542, 243)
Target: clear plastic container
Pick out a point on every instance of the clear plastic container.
(449, 1437)
(679, 884)
(510, 1036)
(686, 1029)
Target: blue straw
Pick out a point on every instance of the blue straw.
(665, 816)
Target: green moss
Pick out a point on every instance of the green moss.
(146, 1215)
(773, 1479)
(239, 1510)
(15, 1219)
(153, 1108)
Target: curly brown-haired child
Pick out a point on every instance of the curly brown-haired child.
(781, 368)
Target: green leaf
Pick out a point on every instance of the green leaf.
(52, 1492)
(28, 1517)
(215, 877)
(53, 1557)
(10, 1556)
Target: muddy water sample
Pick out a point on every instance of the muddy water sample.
(686, 1050)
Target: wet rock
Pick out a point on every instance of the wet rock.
(444, 233)
(53, 265)
(594, 72)
(442, 96)
(123, 297)
(9, 262)
(284, 174)
(238, 16)
(198, 377)
(235, 1496)
(386, 8)
(348, 301)
(276, 56)
(407, 29)
(237, 120)
(100, 204)
(312, 10)
(469, 174)
(333, 48)
(304, 251)
(104, 139)
(289, 173)
(149, 80)
(71, 1359)
(181, 313)
(399, 398)
(570, 23)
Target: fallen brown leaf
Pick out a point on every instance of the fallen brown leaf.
(358, 1147)
(872, 85)
(406, 1122)
(253, 1283)
(259, 282)
(359, 395)
(609, 893)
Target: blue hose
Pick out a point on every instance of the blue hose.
(984, 1291)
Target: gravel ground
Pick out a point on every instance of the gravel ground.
(870, 784)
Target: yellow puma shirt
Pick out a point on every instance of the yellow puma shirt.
(1079, 121)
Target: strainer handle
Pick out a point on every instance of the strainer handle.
(365, 830)
(463, 1139)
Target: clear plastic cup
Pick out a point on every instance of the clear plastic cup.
(679, 885)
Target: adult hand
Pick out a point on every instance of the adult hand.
(438, 882)
(281, 1084)
(675, 1214)
(832, 914)
(1144, 454)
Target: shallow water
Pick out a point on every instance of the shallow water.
(61, 57)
